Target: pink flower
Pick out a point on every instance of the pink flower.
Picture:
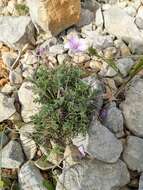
(81, 150)
(76, 44)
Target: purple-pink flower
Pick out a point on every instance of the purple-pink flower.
(82, 151)
(76, 44)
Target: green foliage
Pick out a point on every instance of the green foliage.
(48, 185)
(1, 183)
(92, 51)
(22, 9)
(65, 104)
(137, 68)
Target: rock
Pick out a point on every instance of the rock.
(26, 98)
(56, 49)
(9, 58)
(124, 50)
(62, 58)
(96, 65)
(99, 41)
(124, 65)
(85, 29)
(51, 16)
(6, 107)
(99, 18)
(16, 31)
(139, 18)
(12, 155)
(15, 76)
(141, 182)
(102, 144)
(29, 145)
(114, 120)
(11, 6)
(131, 11)
(133, 108)
(133, 153)
(139, 22)
(28, 71)
(94, 175)
(43, 164)
(29, 58)
(130, 34)
(110, 52)
(80, 58)
(3, 139)
(80, 140)
(86, 17)
(98, 87)
(72, 155)
(30, 178)
(8, 89)
(48, 43)
(140, 12)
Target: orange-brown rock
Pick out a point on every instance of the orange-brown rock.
(54, 15)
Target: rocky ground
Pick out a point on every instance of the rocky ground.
(114, 143)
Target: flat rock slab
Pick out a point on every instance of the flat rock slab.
(133, 107)
(102, 144)
(7, 108)
(30, 177)
(133, 153)
(12, 155)
(120, 24)
(16, 31)
(94, 175)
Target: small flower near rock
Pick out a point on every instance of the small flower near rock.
(76, 44)
(82, 151)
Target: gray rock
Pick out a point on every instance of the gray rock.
(12, 155)
(102, 144)
(94, 175)
(133, 153)
(8, 58)
(30, 178)
(141, 182)
(124, 65)
(26, 98)
(6, 107)
(99, 18)
(28, 71)
(130, 10)
(16, 31)
(15, 76)
(86, 17)
(98, 87)
(29, 58)
(120, 24)
(139, 22)
(114, 120)
(133, 108)
(48, 43)
(3, 139)
(56, 49)
(99, 41)
(28, 144)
